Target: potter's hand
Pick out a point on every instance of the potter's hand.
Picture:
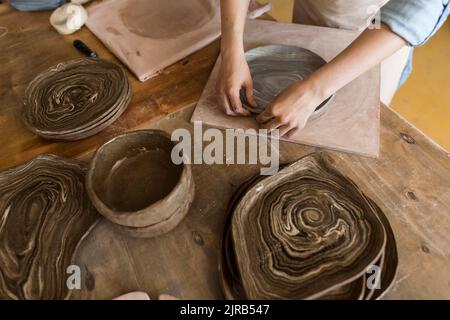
(235, 75)
(290, 111)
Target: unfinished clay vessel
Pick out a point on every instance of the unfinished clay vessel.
(133, 182)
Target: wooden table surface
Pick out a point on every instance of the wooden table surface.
(31, 45)
(410, 180)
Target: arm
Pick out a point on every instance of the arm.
(416, 21)
(234, 73)
(290, 111)
(410, 22)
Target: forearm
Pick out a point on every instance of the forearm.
(233, 13)
(367, 51)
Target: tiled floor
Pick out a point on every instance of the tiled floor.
(425, 99)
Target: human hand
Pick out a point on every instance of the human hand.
(235, 75)
(290, 111)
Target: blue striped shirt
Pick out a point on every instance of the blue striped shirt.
(416, 21)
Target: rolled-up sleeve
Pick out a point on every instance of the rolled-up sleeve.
(415, 20)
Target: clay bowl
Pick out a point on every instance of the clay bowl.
(133, 182)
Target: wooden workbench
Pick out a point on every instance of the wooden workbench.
(410, 181)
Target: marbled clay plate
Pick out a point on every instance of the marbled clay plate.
(274, 68)
(306, 233)
(45, 213)
(76, 99)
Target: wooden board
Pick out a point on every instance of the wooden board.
(350, 122)
(22, 57)
(149, 35)
(410, 181)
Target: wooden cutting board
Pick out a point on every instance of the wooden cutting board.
(351, 123)
(149, 35)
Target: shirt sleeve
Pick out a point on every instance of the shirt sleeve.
(415, 20)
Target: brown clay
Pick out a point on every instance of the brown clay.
(133, 182)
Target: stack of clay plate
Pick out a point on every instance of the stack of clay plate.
(306, 233)
(135, 184)
(45, 213)
(76, 99)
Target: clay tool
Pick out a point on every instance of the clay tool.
(83, 48)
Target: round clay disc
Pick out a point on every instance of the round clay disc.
(276, 67)
(76, 99)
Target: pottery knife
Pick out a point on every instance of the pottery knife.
(83, 48)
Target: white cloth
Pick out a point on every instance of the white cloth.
(354, 15)
(68, 18)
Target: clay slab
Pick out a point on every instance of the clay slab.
(149, 35)
(351, 123)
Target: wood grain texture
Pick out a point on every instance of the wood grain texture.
(350, 123)
(275, 68)
(44, 214)
(410, 180)
(76, 99)
(177, 87)
(184, 262)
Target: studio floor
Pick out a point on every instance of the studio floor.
(425, 99)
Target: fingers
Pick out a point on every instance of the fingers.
(292, 133)
(272, 124)
(235, 102)
(249, 93)
(286, 128)
(265, 116)
(227, 106)
(270, 120)
(293, 130)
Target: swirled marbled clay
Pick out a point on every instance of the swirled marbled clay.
(76, 99)
(304, 233)
(387, 263)
(276, 67)
(45, 212)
